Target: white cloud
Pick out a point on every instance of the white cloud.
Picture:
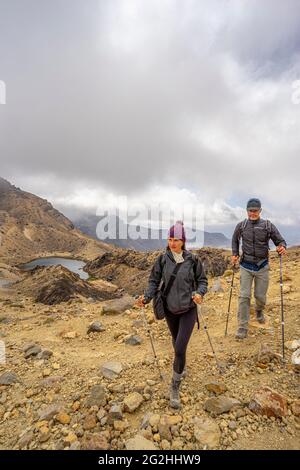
(157, 99)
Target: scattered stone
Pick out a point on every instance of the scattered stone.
(296, 358)
(266, 354)
(138, 324)
(8, 378)
(133, 340)
(70, 335)
(268, 402)
(165, 445)
(154, 420)
(133, 401)
(111, 370)
(33, 351)
(97, 441)
(164, 428)
(28, 346)
(221, 404)
(63, 418)
(228, 273)
(101, 414)
(172, 420)
(119, 425)
(292, 345)
(139, 443)
(25, 440)
(96, 326)
(216, 387)
(44, 434)
(117, 306)
(115, 413)
(48, 412)
(216, 287)
(70, 439)
(3, 397)
(207, 432)
(97, 396)
(296, 408)
(51, 381)
(45, 354)
(232, 425)
(89, 422)
(75, 445)
(150, 382)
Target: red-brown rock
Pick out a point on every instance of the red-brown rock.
(268, 402)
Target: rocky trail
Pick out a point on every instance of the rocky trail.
(81, 374)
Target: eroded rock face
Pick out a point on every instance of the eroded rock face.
(130, 269)
(268, 402)
(32, 227)
(54, 284)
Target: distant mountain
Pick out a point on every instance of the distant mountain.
(88, 224)
(30, 227)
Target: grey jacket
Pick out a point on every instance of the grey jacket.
(179, 298)
(255, 237)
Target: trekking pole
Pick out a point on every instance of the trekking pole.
(282, 312)
(230, 295)
(209, 339)
(151, 341)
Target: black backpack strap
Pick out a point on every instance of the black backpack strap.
(161, 259)
(244, 223)
(268, 228)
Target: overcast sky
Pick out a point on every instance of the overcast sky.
(171, 100)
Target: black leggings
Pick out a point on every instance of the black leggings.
(181, 327)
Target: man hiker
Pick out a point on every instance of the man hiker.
(255, 233)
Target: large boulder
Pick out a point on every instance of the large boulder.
(207, 432)
(111, 370)
(268, 402)
(117, 306)
(221, 404)
(133, 401)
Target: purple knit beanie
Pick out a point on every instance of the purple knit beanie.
(177, 231)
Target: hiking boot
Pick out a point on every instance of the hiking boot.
(184, 373)
(260, 316)
(241, 333)
(174, 391)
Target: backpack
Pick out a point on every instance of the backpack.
(268, 227)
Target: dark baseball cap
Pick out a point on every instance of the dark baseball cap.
(253, 203)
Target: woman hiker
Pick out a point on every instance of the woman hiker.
(187, 290)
